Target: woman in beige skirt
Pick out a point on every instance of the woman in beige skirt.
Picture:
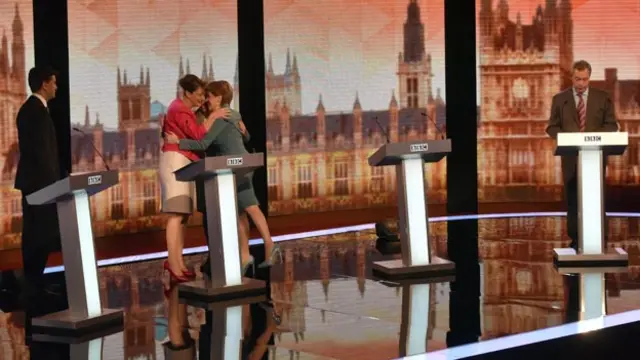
(177, 196)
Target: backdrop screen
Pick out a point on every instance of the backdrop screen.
(526, 50)
(125, 58)
(341, 76)
(16, 58)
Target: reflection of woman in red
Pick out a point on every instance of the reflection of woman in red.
(177, 196)
(180, 344)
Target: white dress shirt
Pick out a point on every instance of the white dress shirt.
(585, 96)
(44, 102)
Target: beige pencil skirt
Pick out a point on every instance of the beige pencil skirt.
(177, 196)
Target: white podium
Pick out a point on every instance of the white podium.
(591, 148)
(86, 312)
(413, 223)
(219, 175)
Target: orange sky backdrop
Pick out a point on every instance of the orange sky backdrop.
(110, 33)
(345, 47)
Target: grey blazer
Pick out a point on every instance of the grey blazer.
(223, 138)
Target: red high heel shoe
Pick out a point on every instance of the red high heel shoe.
(174, 277)
(189, 273)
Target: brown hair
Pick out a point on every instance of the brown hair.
(190, 83)
(220, 88)
(581, 65)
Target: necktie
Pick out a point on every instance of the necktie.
(582, 112)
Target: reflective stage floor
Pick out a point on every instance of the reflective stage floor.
(325, 303)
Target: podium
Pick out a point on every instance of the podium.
(219, 175)
(409, 159)
(591, 148)
(71, 195)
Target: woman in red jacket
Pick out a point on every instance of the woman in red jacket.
(177, 196)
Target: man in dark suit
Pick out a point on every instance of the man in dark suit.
(579, 109)
(38, 167)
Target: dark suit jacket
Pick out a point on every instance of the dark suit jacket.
(564, 118)
(39, 165)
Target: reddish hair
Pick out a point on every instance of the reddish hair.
(220, 88)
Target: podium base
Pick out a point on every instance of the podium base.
(396, 270)
(79, 337)
(202, 291)
(75, 324)
(570, 258)
(223, 304)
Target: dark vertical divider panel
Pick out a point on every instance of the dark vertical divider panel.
(51, 40)
(251, 72)
(462, 168)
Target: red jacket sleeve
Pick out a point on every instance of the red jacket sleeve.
(191, 129)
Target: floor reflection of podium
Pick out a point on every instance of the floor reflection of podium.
(414, 327)
(223, 333)
(587, 296)
(416, 312)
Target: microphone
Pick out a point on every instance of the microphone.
(386, 135)
(252, 150)
(94, 148)
(434, 124)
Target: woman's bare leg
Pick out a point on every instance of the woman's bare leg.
(174, 234)
(243, 237)
(263, 228)
(174, 225)
(183, 266)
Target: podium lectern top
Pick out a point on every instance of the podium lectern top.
(92, 182)
(393, 154)
(215, 165)
(611, 143)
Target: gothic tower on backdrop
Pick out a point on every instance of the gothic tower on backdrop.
(134, 100)
(181, 73)
(281, 89)
(13, 92)
(18, 51)
(414, 65)
(566, 42)
(206, 75)
(207, 69)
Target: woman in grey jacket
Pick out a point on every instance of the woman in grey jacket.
(228, 137)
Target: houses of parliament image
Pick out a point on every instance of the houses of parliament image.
(316, 162)
(13, 92)
(522, 65)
